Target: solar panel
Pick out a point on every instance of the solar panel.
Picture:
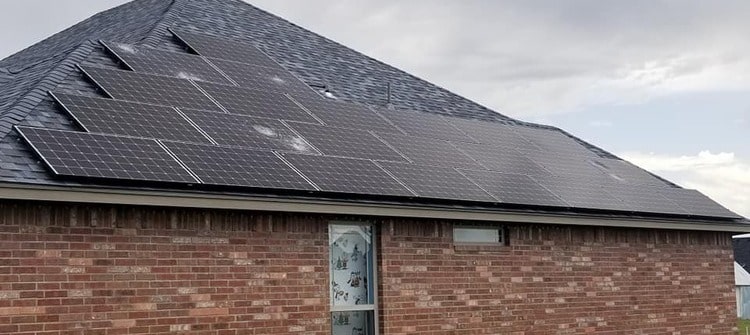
(256, 103)
(582, 193)
(644, 199)
(109, 116)
(424, 125)
(347, 175)
(554, 141)
(436, 182)
(80, 154)
(626, 172)
(696, 203)
(245, 131)
(343, 114)
(166, 63)
(492, 133)
(216, 165)
(216, 47)
(264, 78)
(514, 188)
(158, 90)
(346, 142)
(500, 159)
(429, 151)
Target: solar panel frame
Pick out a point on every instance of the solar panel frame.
(645, 199)
(429, 151)
(424, 125)
(79, 154)
(493, 133)
(217, 47)
(556, 141)
(257, 103)
(241, 167)
(347, 175)
(245, 131)
(108, 116)
(342, 114)
(166, 63)
(582, 193)
(151, 89)
(513, 188)
(345, 142)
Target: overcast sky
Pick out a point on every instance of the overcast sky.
(663, 83)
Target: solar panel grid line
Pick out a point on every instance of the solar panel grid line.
(491, 194)
(452, 125)
(346, 142)
(295, 132)
(394, 178)
(219, 70)
(436, 182)
(216, 102)
(37, 150)
(513, 189)
(307, 110)
(68, 111)
(467, 155)
(391, 146)
(193, 174)
(428, 151)
(96, 82)
(331, 112)
(283, 159)
(196, 126)
(118, 56)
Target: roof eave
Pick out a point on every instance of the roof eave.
(11, 191)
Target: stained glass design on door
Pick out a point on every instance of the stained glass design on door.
(351, 264)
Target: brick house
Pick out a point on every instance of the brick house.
(206, 167)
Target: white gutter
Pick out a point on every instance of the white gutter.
(236, 202)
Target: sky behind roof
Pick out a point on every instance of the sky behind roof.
(662, 83)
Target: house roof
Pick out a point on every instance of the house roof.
(221, 97)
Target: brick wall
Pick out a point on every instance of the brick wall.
(556, 280)
(80, 269)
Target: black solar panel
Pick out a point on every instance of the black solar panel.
(166, 63)
(129, 118)
(696, 203)
(429, 151)
(501, 159)
(626, 172)
(217, 47)
(347, 175)
(436, 182)
(582, 193)
(514, 188)
(343, 114)
(264, 78)
(158, 90)
(424, 125)
(80, 154)
(492, 133)
(555, 141)
(245, 131)
(346, 142)
(644, 199)
(238, 100)
(216, 165)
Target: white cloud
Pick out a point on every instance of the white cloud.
(723, 176)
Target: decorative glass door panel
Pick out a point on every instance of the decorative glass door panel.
(352, 283)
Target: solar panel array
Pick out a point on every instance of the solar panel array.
(232, 117)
